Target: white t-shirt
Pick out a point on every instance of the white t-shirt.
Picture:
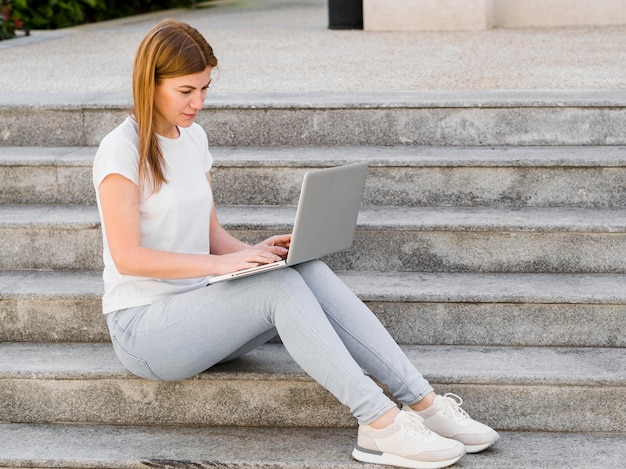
(175, 219)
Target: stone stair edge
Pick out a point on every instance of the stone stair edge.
(591, 367)
(432, 239)
(277, 124)
(379, 217)
(417, 308)
(510, 388)
(89, 446)
(576, 176)
(371, 286)
(347, 99)
(376, 156)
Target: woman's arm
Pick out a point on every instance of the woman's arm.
(119, 201)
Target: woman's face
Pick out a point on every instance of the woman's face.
(178, 100)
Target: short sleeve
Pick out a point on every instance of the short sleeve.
(117, 154)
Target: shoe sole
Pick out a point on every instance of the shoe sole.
(376, 457)
(478, 448)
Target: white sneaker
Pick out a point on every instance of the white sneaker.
(406, 443)
(446, 418)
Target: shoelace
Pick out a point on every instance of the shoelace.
(451, 407)
(411, 424)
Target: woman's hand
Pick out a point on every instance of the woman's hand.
(278, 244)
(247, 258)
(273, 249)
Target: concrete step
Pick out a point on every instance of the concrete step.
(506, 117)
(509, 388)
(389, 238)
(579, 176)
(433, 176)
(417, 308)
(137, 447)
(46, 175)
(50, 237)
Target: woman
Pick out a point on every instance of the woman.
(162, 239)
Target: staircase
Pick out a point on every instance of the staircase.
(491, 243)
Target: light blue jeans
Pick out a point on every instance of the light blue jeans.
(327, 330)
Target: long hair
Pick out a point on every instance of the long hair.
(170, 49)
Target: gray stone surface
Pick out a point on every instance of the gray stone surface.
(48, 306)
(46, 175)
(503, 86)
(446, 364)
(346, 121)
(435, 176)
(85, 383)
(285, 45)
(420, 156)
(85, 446)
(416, 308)
(389, 238)
(528, 352)
(49, 237)
(259, 447)
(405, 175)
(473, 239)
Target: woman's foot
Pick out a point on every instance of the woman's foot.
(406, 443)
(446, 418)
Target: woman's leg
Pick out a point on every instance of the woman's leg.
(376, 351)
(365, 337)
(185, 334)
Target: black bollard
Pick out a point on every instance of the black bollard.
(345, 14)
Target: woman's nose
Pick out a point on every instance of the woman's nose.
(198, 101)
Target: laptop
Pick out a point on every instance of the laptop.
(326, 217)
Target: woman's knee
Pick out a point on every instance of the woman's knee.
(288, 285)
(314, 268)
(284, 278)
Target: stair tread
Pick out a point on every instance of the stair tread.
(463, 99)
(445, 287)
(492, 117)
(442, 364)
(576, 176)
(75, 216)
(370, 217)
(403, 156)
(47, 156)
(108, 446)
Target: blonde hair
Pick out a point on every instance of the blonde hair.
(170, 49)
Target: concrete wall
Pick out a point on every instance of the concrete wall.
(438, 15)
(516, 13)
(427, 15)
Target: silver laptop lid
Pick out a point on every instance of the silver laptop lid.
(328, 209)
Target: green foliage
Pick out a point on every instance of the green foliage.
(10, 19)
(52, 14)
